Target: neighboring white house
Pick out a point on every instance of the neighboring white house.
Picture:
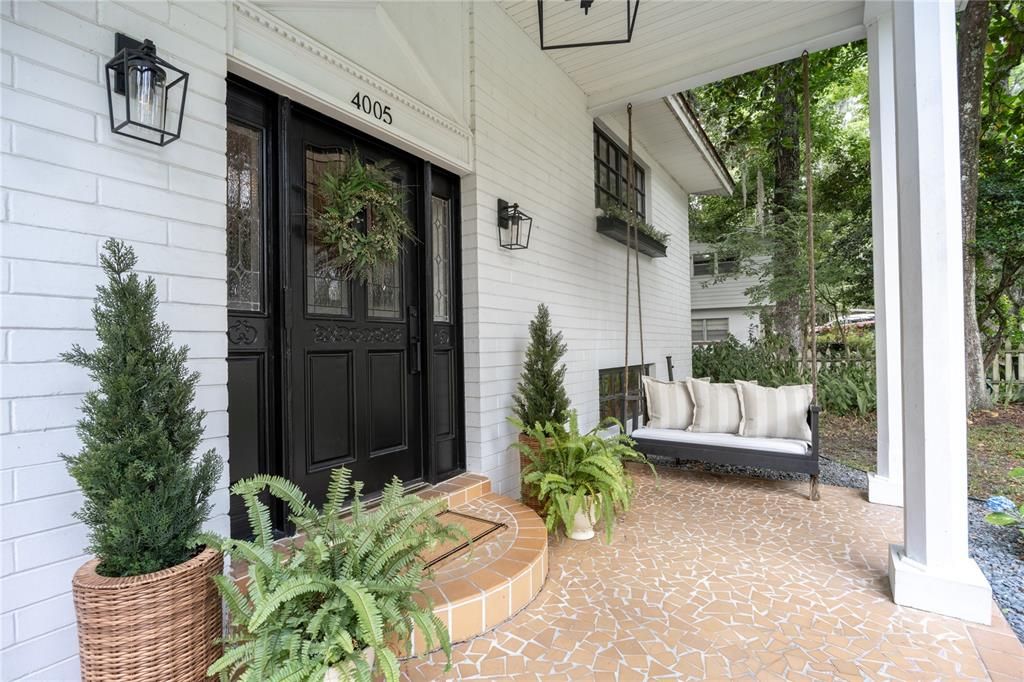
(721, 307)
(419, 372)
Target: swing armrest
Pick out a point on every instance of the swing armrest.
(813, 413)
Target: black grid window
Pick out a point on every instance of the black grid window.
(610, 176)
(609, 382)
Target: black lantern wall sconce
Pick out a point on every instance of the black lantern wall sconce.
(145, 94)
(514, 226)
(611, 23)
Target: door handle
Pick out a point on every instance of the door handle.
(415, 343)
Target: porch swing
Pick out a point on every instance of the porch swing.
(728, 448)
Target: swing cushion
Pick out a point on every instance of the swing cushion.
(780, 446)
(669, 405)
(774, 412)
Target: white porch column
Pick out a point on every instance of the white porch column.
(932, 570)
(885, 486)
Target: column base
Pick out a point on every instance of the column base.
(885, 490)
(962, 593)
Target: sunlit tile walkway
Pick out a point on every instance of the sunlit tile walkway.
(718, 577)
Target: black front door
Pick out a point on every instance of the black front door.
(354, 358)
(324, 371)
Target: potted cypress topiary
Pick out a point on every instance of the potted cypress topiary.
(147, 606)
(540, 396)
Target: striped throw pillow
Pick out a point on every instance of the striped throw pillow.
(668, 404)
(716, 407)
(774, 412)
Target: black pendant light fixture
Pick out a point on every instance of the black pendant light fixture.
(145, 94)
(610, 22)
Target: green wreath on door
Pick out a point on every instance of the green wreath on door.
(347, 193)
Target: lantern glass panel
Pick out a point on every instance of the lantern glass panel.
(147, 96)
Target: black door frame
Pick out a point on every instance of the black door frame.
(277, 252)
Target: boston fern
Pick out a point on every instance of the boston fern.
(354, 583)
(575, 471)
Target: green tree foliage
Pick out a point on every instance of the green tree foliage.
(540, 396)
(998, 248)
(352, 584)
(146, 496)
(747, 120)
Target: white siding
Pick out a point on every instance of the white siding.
(68, 184)
(728, 293)
(534, 146)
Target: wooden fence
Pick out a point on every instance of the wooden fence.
(1006, 373)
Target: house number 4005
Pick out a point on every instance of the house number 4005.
(373, 107)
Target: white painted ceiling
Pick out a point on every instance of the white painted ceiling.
(680, 44)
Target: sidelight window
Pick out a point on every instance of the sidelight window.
(441, 226)
(245, 177)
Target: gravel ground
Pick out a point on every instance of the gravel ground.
(998, 551)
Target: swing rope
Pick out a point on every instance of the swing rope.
(632, 242)
(629, 236)
(810, 225)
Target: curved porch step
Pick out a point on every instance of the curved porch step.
(503, 573)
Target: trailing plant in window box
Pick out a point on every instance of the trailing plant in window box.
(364, 190)
(581, 477)
(352, 586)
(614, 222)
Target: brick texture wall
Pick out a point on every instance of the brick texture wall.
(68, 184)
(533, 145)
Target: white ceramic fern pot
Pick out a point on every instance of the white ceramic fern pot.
(583, 524)
(334, 675)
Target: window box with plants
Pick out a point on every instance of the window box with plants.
(613, 222)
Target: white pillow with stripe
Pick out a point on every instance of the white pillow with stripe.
(668, 404)
(716, 407)
(774, 412)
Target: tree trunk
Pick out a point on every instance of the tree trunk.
(785, 243)
(972, 40)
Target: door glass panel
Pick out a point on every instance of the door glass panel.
(384, 285)
(245, 217)
(384, 291)
(441, 225)
(327, 291)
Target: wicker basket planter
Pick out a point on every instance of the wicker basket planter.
(158, 626)
(528, 493)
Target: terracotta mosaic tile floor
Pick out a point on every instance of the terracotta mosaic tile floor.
(717, 577)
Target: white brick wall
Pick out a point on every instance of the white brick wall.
(533, 140)
(67, 185)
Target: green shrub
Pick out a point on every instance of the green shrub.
(146, 495)
(575, 471)
(540, 396)
(843, 387)
(353, 583)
